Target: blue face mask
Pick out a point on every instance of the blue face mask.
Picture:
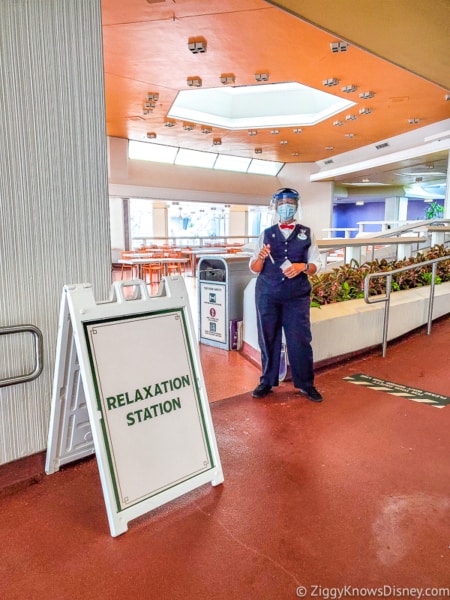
(286, 212)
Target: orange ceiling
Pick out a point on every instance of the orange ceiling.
(146, 50)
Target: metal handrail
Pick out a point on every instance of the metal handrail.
(38, 346)
(387, 297)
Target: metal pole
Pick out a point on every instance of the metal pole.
(386, 312)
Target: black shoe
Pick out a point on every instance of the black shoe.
(312, 394)
(261, 391)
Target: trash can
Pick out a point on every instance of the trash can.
(221, 283)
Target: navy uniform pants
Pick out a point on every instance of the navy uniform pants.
(278, 307)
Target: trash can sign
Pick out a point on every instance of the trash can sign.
(212, 311)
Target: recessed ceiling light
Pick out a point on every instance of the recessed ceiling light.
(227, 78)
(194, 81)
(197, 46)
(339, 47)
(366, 95)
(330, 82)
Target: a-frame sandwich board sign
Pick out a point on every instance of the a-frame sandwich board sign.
(139, 401)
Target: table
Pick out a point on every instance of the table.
(196, 253)
(151, 261)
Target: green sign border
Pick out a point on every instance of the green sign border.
(107, 441)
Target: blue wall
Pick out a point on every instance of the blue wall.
(347, 215)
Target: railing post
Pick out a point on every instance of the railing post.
(431, 301)
(386, 312)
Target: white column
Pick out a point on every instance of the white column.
(54, 206)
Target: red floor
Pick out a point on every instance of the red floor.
(352, 492)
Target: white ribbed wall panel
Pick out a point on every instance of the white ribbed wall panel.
(54, 211)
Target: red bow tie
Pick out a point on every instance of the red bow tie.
(286, 226)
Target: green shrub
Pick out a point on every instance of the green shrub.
(347, 282)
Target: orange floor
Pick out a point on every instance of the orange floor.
(342, 499)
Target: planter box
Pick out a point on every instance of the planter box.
(351, 326)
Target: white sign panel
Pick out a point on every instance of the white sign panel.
(213, 323)
(149, 403)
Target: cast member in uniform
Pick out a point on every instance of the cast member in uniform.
(284, 256)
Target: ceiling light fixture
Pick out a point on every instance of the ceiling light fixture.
(151, 135)
(197, 46)
(194, 82)
(297, 130)
(351, 117)
(153, 96)
(447, 97)
(275, 131)
(227, 78)
(262, 76)
(188, 126)
(217, 141)
(338, 123)
(413, 121)
(284, 142)
(330, 82)
(169, 123)
(329, 148)
(252, 132)
(366, 95)
(258, 150)
(206, 130)
(349, 135)
(365, 111)
(339, 47)
(348, 89)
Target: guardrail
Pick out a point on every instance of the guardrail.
(38, 346)
(387, 298)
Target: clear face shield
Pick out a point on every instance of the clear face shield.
(285, 205)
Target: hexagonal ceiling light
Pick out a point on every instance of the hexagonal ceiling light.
(257, 106)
